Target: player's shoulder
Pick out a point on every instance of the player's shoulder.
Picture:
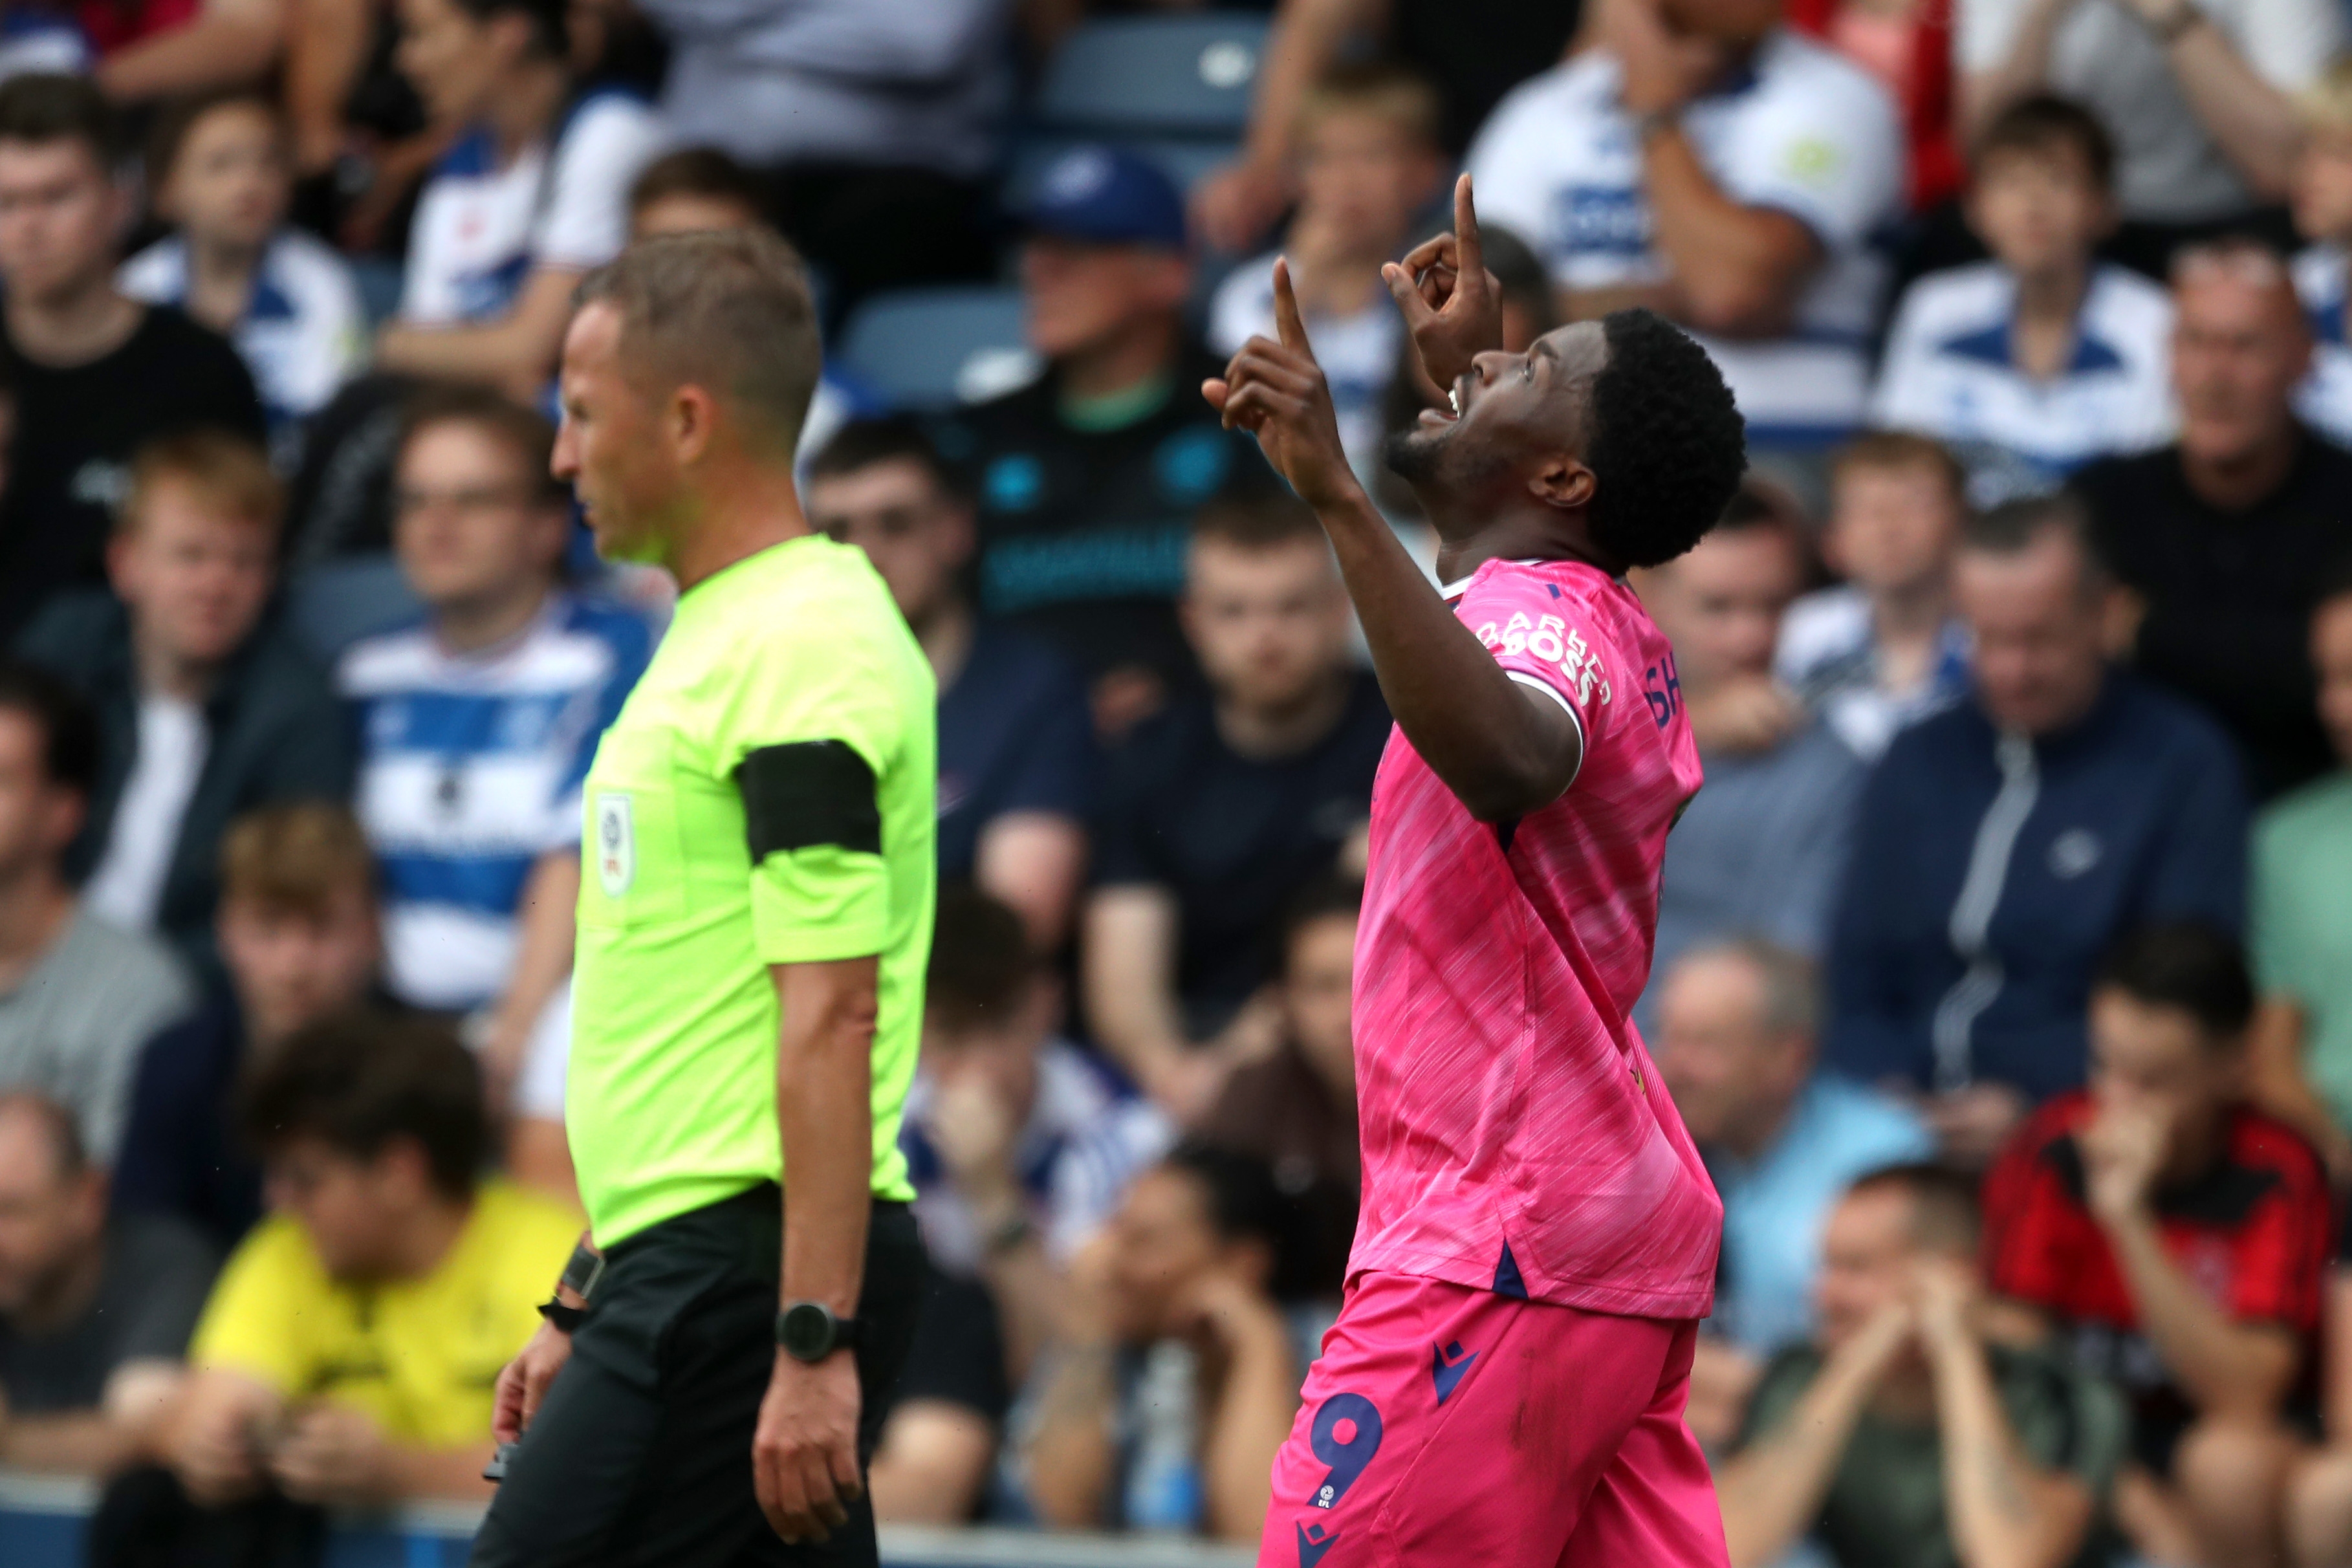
(2319, 274)
(1975, 296)
(2127, 307)
(1793, 70)
(1576, 87)
(157, 274)
(607, 117)
(2261, 1143)
(303, 266)
(619, 629)
(277, 1256)
(2047, 1136)
(401, 657)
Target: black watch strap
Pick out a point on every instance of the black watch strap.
(809, 1332)
(567, 1320)
(583, 1270)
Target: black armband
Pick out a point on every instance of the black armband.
(808, 792)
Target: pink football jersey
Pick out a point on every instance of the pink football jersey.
(1515, 1135)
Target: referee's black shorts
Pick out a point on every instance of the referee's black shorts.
(641, 1453)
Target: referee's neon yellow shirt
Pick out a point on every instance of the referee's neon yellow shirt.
(791, 682)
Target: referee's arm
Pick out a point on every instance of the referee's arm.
(804, 1458)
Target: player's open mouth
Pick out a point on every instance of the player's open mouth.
(1450, 413)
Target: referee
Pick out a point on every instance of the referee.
(754, 918)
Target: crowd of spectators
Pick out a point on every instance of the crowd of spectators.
(2004, 961)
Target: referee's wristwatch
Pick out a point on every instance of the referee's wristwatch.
(580, 1274)
(809, 1332)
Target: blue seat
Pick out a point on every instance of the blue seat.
(332, 606)
(920, 348)
(1133, 78)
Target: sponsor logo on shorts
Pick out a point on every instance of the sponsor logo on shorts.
(1449, 1365)
(1313, 1542)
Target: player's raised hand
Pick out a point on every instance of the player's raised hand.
(1451, 304)
(1276, 392)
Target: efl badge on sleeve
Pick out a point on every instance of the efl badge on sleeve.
(616, 844)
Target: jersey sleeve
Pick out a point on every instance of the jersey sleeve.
(1825, 149)
(807, 739)
(2018, 1256)
(253, 1322)
(2282, 1256)
(1548, 637)
(586, 219)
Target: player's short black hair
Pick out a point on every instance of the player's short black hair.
(2042, 122)
(45, 105)
(357, 1081)
(698, 172)
(1667, 444)
(70, 735)
(551, 22)
(2189, 965)
(1238, 1190)
(1947, 1213)
(887, 439)
(1334, 897)
(982, 966)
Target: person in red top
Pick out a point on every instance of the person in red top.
(2178, 1236)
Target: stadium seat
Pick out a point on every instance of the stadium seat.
(1136, 77)
(331, 606)
(932, 347)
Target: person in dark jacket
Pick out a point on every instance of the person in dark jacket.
(302, 939)
(2003, 844)
(207, 708)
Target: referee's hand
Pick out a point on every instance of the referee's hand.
(523, 1382)
(804, 1456)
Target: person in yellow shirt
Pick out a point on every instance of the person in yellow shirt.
(348, 1354)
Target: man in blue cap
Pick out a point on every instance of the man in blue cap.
(1089, 477)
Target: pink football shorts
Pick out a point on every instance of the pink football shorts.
(1446, 1425)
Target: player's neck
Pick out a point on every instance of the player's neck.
(1518, 536)
(1268, 732)
(528, 109)
(742, 511)
(425, 1236)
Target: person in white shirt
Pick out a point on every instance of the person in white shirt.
(1883, 648)
(2197, 93)
(224, 179)
(1704, 160)
(1368, 163)
(533, 195)
(2323, 217)
(2033, 364)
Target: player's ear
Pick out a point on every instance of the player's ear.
(1563, 482)
(692, 421)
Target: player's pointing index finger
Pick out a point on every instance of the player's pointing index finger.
(1292, 330)
(1469, 254)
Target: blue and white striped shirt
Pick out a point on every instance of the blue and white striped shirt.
(470, 770)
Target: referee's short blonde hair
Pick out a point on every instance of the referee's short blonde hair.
(726, 309)
(2326, 104)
